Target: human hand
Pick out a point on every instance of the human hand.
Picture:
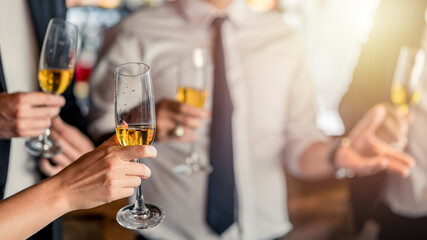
(367, 153)
(103, 175)
(27, 114)
(393, 162)
(73, 143)
(170, 114)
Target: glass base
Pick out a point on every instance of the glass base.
(127, 218)
(37, 148)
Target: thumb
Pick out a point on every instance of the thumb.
(112, 141)
(369, 123)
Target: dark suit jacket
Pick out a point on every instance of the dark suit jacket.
(41, 12)
(397, 23)
(4, 144)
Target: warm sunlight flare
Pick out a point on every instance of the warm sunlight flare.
(262, 5)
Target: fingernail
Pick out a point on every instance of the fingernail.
(154, 150)
(384, 163)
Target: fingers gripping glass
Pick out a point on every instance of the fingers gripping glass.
(56, 70)
(192, 90)
(136, 125)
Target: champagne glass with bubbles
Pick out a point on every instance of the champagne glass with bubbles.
(405, 88)
(406, 80)
(192, 90)
(136, 125)
(56, 70)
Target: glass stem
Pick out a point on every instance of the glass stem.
(45, 140)
(192, 160)
(139, 208)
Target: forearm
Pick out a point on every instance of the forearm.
(27, 212)
(314, 162)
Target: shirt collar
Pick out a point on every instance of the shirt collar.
(201, 14)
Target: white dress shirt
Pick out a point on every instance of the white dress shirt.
(19, 53)
(408, 196)
(273, 119)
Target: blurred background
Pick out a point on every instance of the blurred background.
(334, 32)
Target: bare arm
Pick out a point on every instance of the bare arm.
(31, 210)
(98, 177)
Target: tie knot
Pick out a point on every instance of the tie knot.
(217, 22)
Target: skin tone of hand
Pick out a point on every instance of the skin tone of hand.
(27, 114)
(372, 137)
(73, 143)
(366, 155)
(101, 176)
(170, 113)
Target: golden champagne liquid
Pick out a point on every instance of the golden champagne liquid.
(402, 98)
(55, 80)
(135, 135)
(191, 96)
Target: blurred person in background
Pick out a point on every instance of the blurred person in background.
(398, 205)
(24, 110)
(262, 117)
(98, 177)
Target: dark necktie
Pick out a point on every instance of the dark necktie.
(220, 203)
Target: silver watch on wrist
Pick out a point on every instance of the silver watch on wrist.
(340, 172)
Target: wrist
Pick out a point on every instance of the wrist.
(336, 153)
(60, 195)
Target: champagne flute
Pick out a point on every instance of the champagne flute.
(136, 125)
(192, 90)
(408, 73)
(56, 70)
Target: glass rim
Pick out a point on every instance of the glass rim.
(55, 19)
(147, 69)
